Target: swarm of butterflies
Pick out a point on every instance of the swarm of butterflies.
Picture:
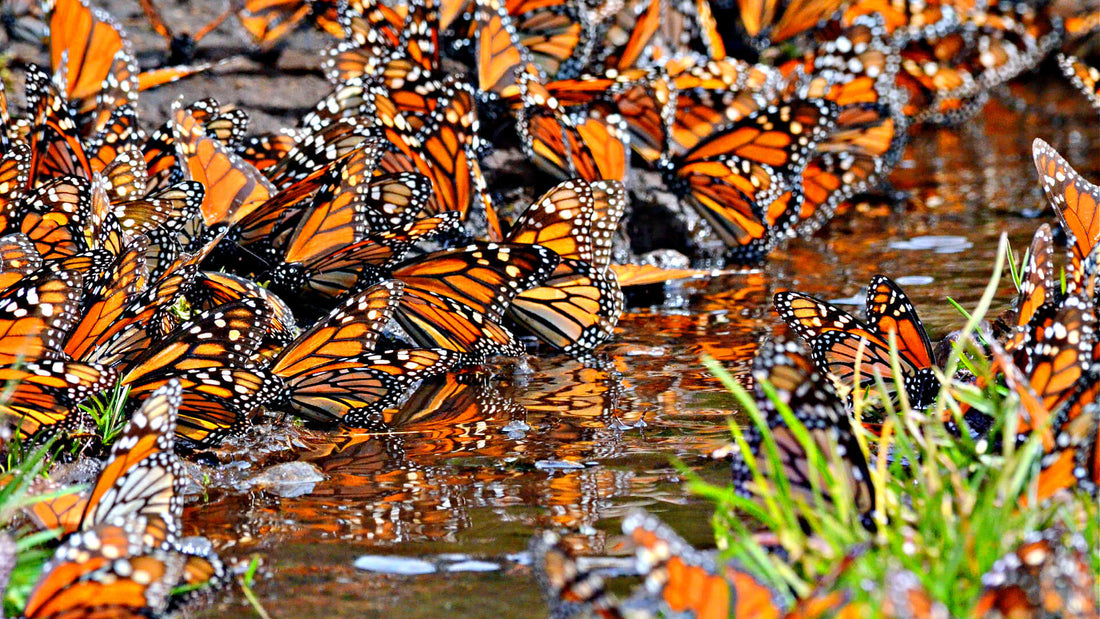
(1045, 348)
(325, 269)
(758, 151)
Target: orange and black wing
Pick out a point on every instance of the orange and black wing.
(143, 474)
(561, 220)
(233, 187)
(812, 400)
(36, 313)
(574, 310)
(1076, 201)
(483, 277)
(690, 582)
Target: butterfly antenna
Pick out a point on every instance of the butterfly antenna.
(153, 15)
(233, 8)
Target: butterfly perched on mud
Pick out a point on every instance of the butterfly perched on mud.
(840, 342)
(745, 178)
(333, 372)
(578, 306)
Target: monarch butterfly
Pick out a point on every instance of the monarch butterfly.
(54, 216)
(865, 146)
(1074, 459)
(353, 98)
(571, 143)
(318, 150)
(209, 355)
(44, 396)
(335, 243)
(456, 299)
(120, 131)
(110, 570)
(141, 477)
(629, 275)
(444, 150)
(159, 148)
(18, 258)
(215, 289)
(372, 34)
(330, 369)
(332, 273)
(505, 49)
(578, 306)
(839, 340)
(714, 94)
(265, 227)
(35, 314)
(168, 209)
(56, 146)
(414, 55)
(1077, 203)
(85, 44)
(642, 98)
(265, 150)
(1084, 77)
(904, 20)
(555, 38)
(814, 402)
(688, 28)
(233, 188)
(15, 169)
(768, 22)
(268, 21)
(741, 178)
(104, 304)
(686, 580)
(568, 589)
(119, 323)
(1057, 349)
(1048, 573)
(629, 33)
(860, 51)
(1054, 390)
(96, 59)
(181, 45)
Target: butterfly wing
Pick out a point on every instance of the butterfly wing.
(1076, 201)
(143, 474)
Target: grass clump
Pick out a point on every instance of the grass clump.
(947, 505)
